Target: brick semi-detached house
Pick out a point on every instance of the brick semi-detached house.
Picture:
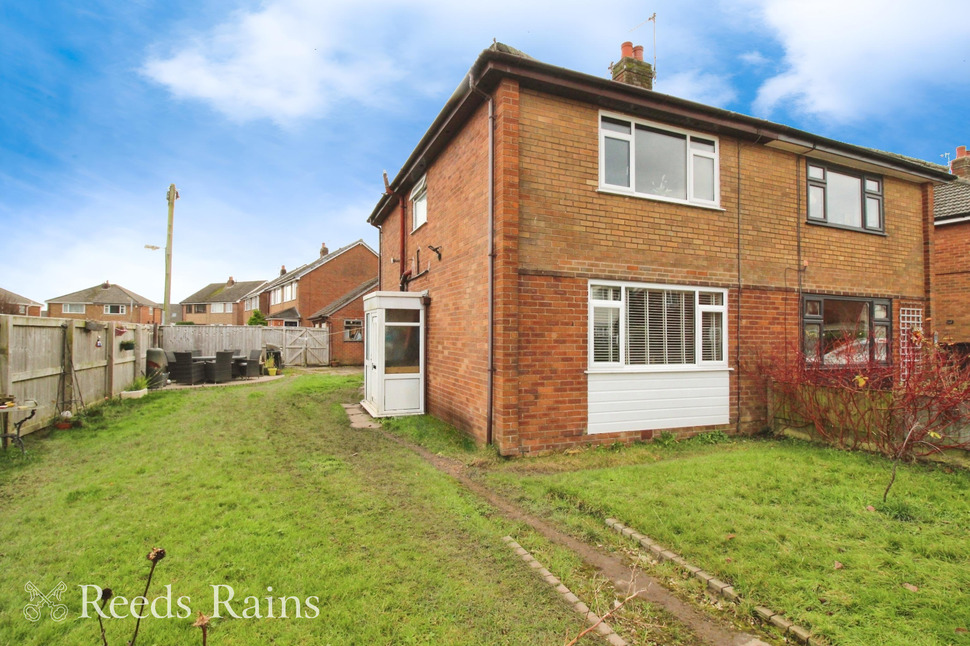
(11, 303)
(951, 258)
(219, 303)
(105, 302)
(646, 252)
(296, 295)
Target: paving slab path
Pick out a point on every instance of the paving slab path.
(619, 573)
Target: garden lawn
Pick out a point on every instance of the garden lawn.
(258, 487)
(788, 524)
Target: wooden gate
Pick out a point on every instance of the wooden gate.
(300, 346)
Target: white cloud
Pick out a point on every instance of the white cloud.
(285, 61)
(850, 59)
(755, 58)
(694, 85)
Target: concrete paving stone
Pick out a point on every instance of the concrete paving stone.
(780, 622)
(656, 549)
(667, 555)
(561, 589)
(730, 594)
(534, 564)
(543, 572)
(604, 628)
(799, 633)
(716, 585)
(582, 609)
(693, 569)
(571, 598)
(703, 576)
(610, 521)
(764, 613)
(616, 640)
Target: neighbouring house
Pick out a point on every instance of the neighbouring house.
(219, 303)
(105, 302)
(295, 295)
(11, 303)
(344, 321)
(602, 262)
(951, 254)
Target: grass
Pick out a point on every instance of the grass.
(787, 522)
(256, 487)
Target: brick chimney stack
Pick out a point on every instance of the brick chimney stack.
(631, 68)
(282, 270)
(323, 250)
(230, 282)
(960, 165)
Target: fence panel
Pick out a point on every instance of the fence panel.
(62, 363)
(300, 346)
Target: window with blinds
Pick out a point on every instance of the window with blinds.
(647, 325)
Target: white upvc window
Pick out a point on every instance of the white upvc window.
(73, 308)
(657, 161)
(276, 296)
(289, 292)
(642, 326)
(419, 203)
(218, 308)
(251, 303)
(115, 309)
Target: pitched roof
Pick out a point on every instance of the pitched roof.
(500, 62)
(223, 292)
(299, 272)
(17, 299)
(289, 314)
(951, 201)
(346, 299)
(105, 293)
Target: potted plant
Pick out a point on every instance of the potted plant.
(137, 389)
(270, 365)
(127, 345)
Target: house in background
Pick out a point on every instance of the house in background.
(344, 320)
(951, 254)
(295, 295)
(11, 303)
(219, 303)
(105, 302)
(601, 262)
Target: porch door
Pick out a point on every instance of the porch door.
(371, 376)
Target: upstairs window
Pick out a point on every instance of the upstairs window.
(845, 199)
(655, 161)
(633, 325)
(419, 203)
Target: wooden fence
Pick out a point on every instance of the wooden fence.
(66, 363)
(301, 346)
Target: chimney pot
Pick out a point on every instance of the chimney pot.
(626, 50)
(638, 52)
(631, 69)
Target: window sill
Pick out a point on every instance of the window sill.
(819, 223)
(620, 370)
(657, 198)
(419, 226)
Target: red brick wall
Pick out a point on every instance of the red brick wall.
(330, 281)
(555, 230)
(133, 314)
(346, 353)
(457, 318)
(952, 282)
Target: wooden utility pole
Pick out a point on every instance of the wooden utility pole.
(173, 195)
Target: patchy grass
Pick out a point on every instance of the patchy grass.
(256, 487)
(788, 524)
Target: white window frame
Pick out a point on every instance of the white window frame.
(691, 154)
(351, 325)
(620, 306)
(122, 310)
(73, 308)
(218, 308)
(419, 204)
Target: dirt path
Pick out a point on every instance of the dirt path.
(650, 590)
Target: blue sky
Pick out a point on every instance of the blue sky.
(275, 119)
